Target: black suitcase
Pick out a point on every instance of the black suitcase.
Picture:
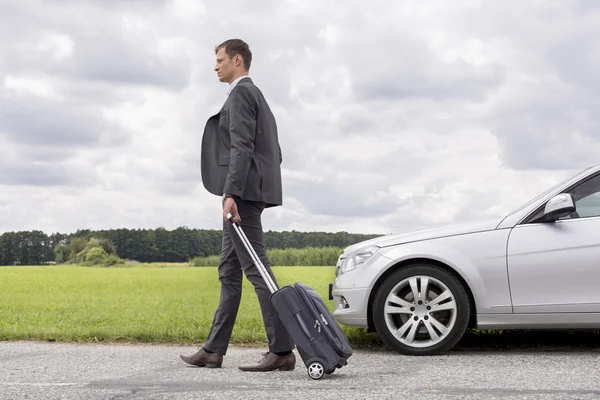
(319, 339)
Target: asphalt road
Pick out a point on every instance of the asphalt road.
(32, 370)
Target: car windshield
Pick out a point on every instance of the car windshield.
(553, 188)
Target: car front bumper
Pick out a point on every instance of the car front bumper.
(351, 307)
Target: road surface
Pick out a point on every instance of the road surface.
(34, 370)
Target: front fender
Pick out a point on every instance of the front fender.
(479, 259)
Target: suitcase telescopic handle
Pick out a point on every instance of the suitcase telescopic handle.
(261, 268)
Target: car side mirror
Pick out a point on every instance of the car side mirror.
(559, 206)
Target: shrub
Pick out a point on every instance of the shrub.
(113, 259)
(95, 256)
(210, 261)
(93, 252)
(104, 243)
(310, 256)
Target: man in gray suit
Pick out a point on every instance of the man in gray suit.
(240, 161)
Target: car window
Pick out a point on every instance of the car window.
(589, 206)
(587, 199)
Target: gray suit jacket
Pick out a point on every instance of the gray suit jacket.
(241, 154)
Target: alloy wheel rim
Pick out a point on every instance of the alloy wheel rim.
(420, 311)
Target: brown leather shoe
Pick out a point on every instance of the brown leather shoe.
(271, 362)
(204, 359)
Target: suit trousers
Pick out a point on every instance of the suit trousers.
(234, 260)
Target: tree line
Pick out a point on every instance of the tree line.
(155, 245)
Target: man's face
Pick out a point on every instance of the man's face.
(225, 66)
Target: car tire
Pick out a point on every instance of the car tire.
(444, 310)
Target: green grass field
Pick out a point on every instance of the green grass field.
(165, 304)
(170, 303)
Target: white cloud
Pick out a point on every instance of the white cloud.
(392, 115)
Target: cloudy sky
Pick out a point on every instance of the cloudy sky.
(392, 115)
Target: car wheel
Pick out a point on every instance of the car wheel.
(421, 310)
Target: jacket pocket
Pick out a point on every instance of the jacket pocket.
(223, 160)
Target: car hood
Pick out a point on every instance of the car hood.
(431, 233)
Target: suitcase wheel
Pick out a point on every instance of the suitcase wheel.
(316, 370)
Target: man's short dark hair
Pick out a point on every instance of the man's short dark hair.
(234, 47)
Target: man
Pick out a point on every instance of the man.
(240, 161)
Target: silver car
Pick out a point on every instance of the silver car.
(535, 268)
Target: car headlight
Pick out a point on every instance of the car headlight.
(358, 258)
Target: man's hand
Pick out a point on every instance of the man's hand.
(229, 206)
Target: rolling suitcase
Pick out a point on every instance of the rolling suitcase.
(319, 339)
